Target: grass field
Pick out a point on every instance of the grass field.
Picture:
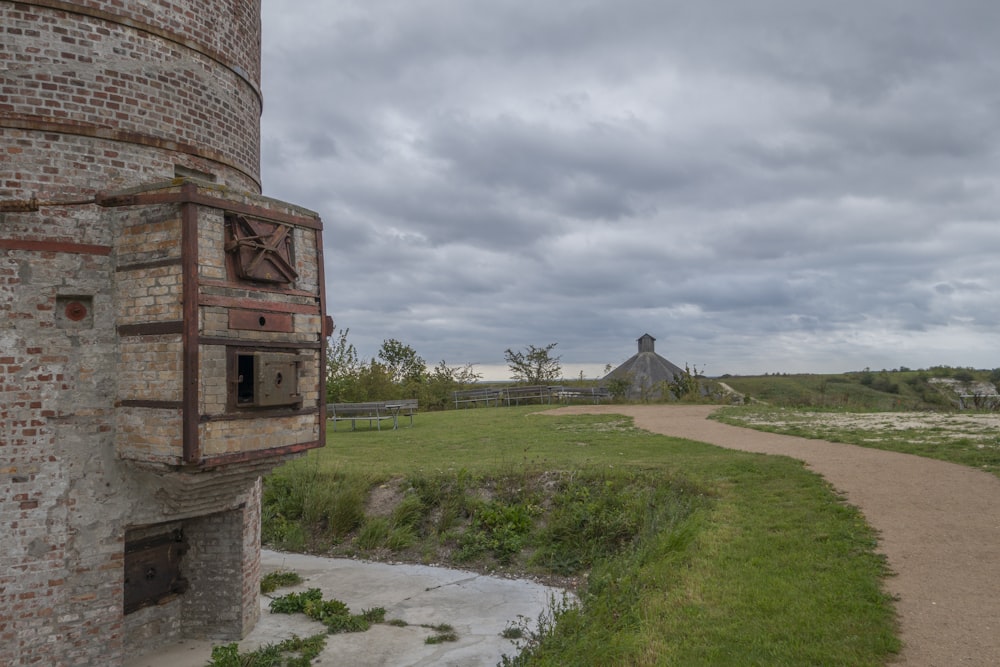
(682, 553)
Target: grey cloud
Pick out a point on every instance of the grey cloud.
(756, 184)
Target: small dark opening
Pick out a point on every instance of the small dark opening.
(187, 172)
(244, 383)
(262, 320)
(153, 570)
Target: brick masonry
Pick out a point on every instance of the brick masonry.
(118, 415)
(95, 84)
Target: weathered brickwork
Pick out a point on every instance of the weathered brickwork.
(148, 234)
(97, 163)
(225, 572)
(122, 325)
(60, 583)
(211, 244)
(156, 79)
(150, 295)
(150, 368)
(152, 435)
(229, 31)
(309, 271)
(247, 435)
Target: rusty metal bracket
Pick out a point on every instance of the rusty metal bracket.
(32, 205)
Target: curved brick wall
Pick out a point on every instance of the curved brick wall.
(108, 94)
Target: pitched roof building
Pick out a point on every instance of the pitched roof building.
(646, 370)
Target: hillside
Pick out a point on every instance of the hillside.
(938, 388)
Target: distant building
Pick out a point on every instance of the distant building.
(647, 371)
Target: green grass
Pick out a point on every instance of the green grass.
(272, 581)
(966, 438)
(685, 554)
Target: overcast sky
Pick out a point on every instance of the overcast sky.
(766, 186)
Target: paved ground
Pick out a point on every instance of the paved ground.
(478, 607)
(939, 526)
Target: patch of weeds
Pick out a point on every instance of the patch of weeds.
(498, 529)
(303, 504)
(443, 633)
(380, 532)
(446, 499)
(272, 581)
(373, 534)
(294, 652)
(397, 623)
(598, 515)
(528, 638)
(294, 603)
(374, 615)
(346, 623)
(409, 512)
(282, 533)
(400, 538)
(334, 614)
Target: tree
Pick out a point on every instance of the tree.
(402, 362)
(342, 367)
(374, 383)
(619, 387)
(535, 365)
(437, 391)
(685, 384)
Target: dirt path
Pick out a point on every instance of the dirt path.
(939, 525)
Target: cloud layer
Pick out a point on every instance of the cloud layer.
(770, 186)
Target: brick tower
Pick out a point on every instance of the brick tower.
(161, 327)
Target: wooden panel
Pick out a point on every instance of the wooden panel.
(249, 303)
(151, 328)
(250, 320)
(153, 570)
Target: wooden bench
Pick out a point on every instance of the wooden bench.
(372, 412)
(476, 396)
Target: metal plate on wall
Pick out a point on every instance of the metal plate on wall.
(153, 570)
(262, 250)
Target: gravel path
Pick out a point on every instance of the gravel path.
(939, 526)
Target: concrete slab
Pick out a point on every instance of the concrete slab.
(478, 607)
